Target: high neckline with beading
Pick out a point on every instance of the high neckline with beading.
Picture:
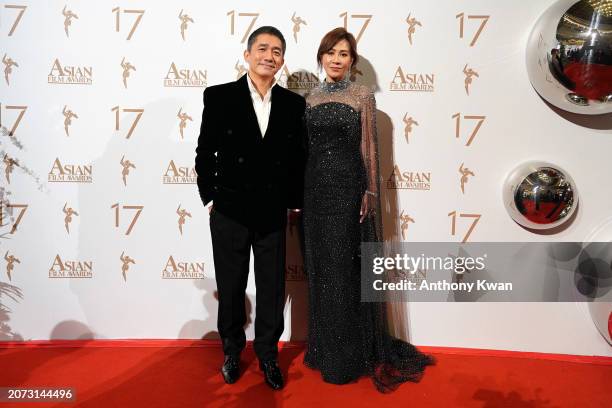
(335, 86)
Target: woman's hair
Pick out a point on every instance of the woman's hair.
(332, 38)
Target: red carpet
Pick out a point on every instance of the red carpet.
(593, 81)
(185, 374)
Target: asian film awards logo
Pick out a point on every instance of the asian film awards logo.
(68, 213)
(183, 118)
(406, 81)
(176, 174)
(125, 264)
(68, 16)
(405, 220)
(185, 20)
(465, 173)
(412, 25)
(10, 264)
(469, 77)
(298, 80)
(70, 74)
(70, 173)
(9, 165)
(408, 180)
(297, 22)
(182, 270)
(127, 67)
(409, 122)
(70, 269)
(68, 116)
(126, 165)
(9, 63)
(182, 213)
(178, 77)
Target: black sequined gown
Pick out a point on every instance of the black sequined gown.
(346, 338)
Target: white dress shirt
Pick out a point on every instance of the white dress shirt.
(261, 106)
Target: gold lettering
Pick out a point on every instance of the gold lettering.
(171, 168)
(399, 73)
(58, 165)
(172, 264)
(174, 72)
(56, 67)
(57, 262)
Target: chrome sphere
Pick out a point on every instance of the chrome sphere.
(569, 56)
(540, 195)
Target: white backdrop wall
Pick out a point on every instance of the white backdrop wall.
(150, 302)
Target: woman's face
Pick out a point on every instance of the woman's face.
(337, 61)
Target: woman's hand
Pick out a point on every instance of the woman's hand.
(367, 206)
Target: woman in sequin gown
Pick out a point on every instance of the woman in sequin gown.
(347, 338)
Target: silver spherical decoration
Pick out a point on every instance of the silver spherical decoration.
(540, 195)
(569, 56)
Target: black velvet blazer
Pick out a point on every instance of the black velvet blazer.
(250, 178)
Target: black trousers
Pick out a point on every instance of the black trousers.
(232, 243)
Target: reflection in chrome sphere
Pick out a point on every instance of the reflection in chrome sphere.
(569, 56)
(539, 195)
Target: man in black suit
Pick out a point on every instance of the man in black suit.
(250, 163)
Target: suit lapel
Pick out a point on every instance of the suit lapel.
(245, 106)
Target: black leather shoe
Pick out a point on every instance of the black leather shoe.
(272, 374)
(231, 369)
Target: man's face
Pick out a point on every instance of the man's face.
(265, 57)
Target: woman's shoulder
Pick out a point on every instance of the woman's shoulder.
(361, 88)
(312, 93)
(363, 92)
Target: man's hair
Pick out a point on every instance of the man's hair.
(267, 30)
